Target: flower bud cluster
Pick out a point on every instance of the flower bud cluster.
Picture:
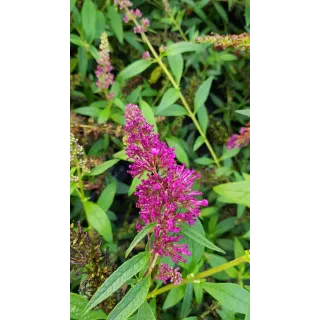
(104, 67)
(133, 15)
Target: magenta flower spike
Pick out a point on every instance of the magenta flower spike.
(166, 196)
(241, 139)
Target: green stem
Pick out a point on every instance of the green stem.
(176, 86)
(201, 275)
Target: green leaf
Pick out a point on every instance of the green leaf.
(168, 99)
(174, 111)
(247, 317)
(103, 167)
(145, 312)
(235, 192)
(76, 40)
(198, 292)
(226, 314)
(247, 12)
(244, 112)
(198, 143)
(135, 182)
(133, 69)
(93, 112)
(187, 300)
(247, 235)
(221, 11)
(174, 142)
(194, 247)
(132, 300)
(94, 52)
(100, 24)
(99, 220)
(107, 196)
(147, 229)
(104, 114)
(174, 296)
(82, 61)
(215, 261)
(202, 94)
(148, 114)
(72, 3)
(203, 118)
(176, 66)
(224, 226)
(181, 47)
(196, 236)
(230, 295)
(116, 23)
(205, 161)
(88, 16)
(121, 155)
(78, 303)
(118, 278)
(229, 153)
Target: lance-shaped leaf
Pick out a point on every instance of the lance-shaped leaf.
(147, 229)
(230, 295)
(103, 167)
(196, 236)
(132, 300)
(145, 312)
(118, 278)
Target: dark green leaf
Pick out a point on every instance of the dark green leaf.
(100, 24)
(204, 161)
(118, 278)
(88, 111)
(103, 167)
(148, 114)
(133, 69)
(83, 61)
(175, 111)
(244, 112)
(198, 143)
(88, 15)
(145, 312)
(181, 47)
(196, 236)
(77, 305)
(168, 99)
(176, 66)
(76, 40)
(202, 94)
(235, 192)
(116, 23)
(203, 118)
(230, 295)
(147, 229)
(174, 142)
(187, 300)
(132, 301)
(99, 220)
(106, 198)
(229, 154)
(174, 296)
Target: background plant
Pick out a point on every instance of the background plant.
(214, 83)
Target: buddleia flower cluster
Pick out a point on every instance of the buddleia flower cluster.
(104, 67)
(241, 139)
(77, 156)
(132, 15)
(166, 196)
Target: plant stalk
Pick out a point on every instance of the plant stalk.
(176, 86)
(204, 274)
